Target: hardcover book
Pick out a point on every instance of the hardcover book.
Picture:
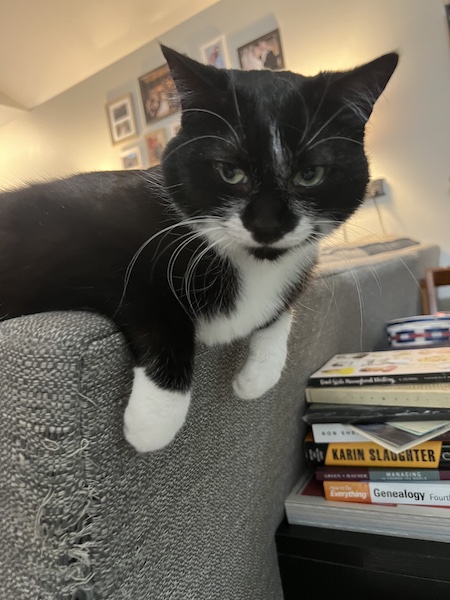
(386, 367)
(423, 395)
(306, 505)
(378, 474)
(433, 493)
(432, 454)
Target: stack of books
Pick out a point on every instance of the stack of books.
(378, 444)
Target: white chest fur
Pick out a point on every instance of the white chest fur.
(261, 293)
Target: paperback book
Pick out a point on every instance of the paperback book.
(357, 413)
(391, 435)
(386, 367)
(433, 454)
(335, 432)
(417, 395)
(322, 473)
(397, 439)
(306, 505)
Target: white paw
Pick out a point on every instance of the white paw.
(153, 415)
(254, 380)
(265, 363)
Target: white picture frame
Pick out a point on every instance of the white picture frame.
(131, 158)
(215, 53)
(121, 119)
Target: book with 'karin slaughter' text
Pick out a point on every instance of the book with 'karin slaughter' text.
(433, 454)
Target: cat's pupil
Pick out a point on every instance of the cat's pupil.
(309, 173)
(309, 176)
(230, 171)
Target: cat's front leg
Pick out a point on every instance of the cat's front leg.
(160, 395)
(154, 414)
(266, 359)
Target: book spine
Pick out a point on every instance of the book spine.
(368, 474)
(335, 432)
(391, 379)
(371, 492)
(428, 455)
(370, 396)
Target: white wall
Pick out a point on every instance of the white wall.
(408, 139)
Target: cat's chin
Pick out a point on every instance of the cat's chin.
(268, 252)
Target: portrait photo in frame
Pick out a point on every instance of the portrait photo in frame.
(131, 158)
(121, 119)
(156, 141)
(263, 53)
(215, 53)
(158, 94)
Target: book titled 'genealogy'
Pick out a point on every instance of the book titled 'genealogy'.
(386, 367)
(306, 505)
(433, 454)
(436, 493)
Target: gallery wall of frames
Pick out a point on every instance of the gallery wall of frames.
(156, 98)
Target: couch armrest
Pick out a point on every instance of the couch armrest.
(52, 366)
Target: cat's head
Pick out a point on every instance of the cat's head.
(270, 161)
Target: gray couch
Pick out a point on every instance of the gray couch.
(84, 516)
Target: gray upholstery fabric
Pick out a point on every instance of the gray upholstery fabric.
(84, 516)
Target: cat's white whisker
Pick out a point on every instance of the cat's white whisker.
(171, 266)
(196, 139)
(324, 125)
(191, 272)
(214, 114)
(335, 137)
(324, 317)
(133, 261)
(195, 261)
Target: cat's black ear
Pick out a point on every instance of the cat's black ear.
(360, 88)
(195, 83)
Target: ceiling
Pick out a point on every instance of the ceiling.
(48, 46)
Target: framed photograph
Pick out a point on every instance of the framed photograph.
(159, 95)
(215, 53)
(131, 158)
(263, 53)
(122, 123)
(156, 142)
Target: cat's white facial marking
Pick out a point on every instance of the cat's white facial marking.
(278, 152)
(236, 231)
(266, 360)
(153, 415)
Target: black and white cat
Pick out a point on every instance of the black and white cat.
(212, 246)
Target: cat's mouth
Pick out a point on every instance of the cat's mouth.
(267, 252)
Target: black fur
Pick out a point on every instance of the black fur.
(70, 244)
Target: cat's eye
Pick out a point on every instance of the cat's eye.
(309, 177)
(231, 173)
